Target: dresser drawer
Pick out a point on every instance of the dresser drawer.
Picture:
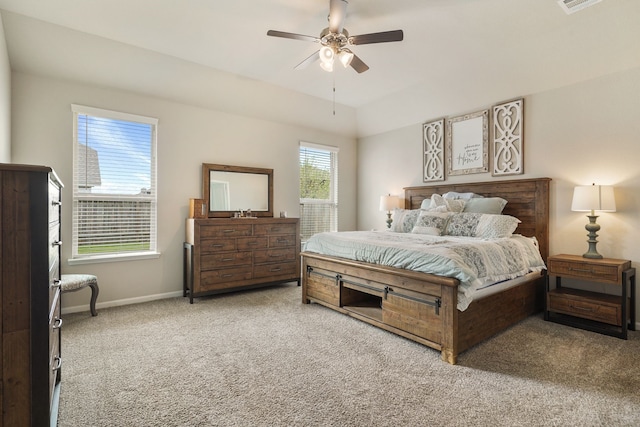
(277, 228)
(278, 269)
(282, 241)
(54, 244)
(586, 305)
(216, 245)
(225, 259)
(212, 278)
(274, 255)
(55, 362)
(54, 202)
(226, 230)
(252, 243)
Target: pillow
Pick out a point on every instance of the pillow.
(404, 220)
(464, 196)
(487, 205)
(432, 223)
(486, 226)
(496, 226)
(452, 205)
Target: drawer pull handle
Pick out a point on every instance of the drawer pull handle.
(57, 363)
(227, 275)
(276, 255)
(275, 269)
(57, 324)
(581, 308)
(252, 243)
(218, 245)
(581, 270)
(228, 231)
(227, 259)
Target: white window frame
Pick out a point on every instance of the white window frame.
(77, 195)
(333, 196)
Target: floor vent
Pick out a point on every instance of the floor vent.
(572, 6)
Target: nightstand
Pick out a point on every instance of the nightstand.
(598, 312)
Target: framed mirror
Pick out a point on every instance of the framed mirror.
(228, 189)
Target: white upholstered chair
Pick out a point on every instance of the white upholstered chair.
(75, 282)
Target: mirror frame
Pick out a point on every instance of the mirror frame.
(207, 168)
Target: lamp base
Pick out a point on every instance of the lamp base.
(389, 220)
(592, 228)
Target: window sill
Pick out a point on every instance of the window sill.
(113, 258)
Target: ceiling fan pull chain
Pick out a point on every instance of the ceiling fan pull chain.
(334, 94)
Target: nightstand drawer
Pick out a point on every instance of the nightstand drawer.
(587, 305)
(598, 272)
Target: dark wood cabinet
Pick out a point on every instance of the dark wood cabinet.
(223, 255)
(30, 295)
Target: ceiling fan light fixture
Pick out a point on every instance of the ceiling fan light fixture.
(345, 56)
(327, 66)
(327, 54)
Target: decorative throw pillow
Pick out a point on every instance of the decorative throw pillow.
(404, 220)
(452, 205)
(486, 226)
(432, 223)
(463, 224)
(496, 226)
(487, 205)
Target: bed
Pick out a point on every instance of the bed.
(423, 307)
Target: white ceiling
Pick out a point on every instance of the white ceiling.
(456, 54)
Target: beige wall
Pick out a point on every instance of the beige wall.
(187, 137)
(576, 135)
(5, 100)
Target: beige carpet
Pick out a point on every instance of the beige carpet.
(261, 358)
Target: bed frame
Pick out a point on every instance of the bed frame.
(423, 307)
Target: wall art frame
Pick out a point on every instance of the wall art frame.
(433, 151)
(467, 143)
(508, 138)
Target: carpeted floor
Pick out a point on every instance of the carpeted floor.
(261, 358)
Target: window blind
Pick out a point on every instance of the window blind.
(318, 189)
(114, 183)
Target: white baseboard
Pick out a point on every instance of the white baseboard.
(116, 303)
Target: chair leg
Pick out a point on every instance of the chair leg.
(94, 297)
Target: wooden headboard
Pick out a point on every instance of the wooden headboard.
(528, 200)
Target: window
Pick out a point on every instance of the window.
(318, 189)
(114, 185)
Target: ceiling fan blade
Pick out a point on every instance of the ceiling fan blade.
(337, 13)
(308, 61)
(383, 37)
(358, 65)
(294, 36)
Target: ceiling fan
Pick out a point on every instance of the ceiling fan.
(335, 40)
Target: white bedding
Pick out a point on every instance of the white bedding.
(477, 263)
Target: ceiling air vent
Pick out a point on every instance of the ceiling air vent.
(571, 6)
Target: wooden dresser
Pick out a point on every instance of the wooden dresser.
(30, 296)
(223, 255)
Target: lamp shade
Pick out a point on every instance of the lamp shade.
(588, 198)
(389, 203)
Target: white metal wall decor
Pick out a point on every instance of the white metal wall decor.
(508, 143)
(467, 141)
(433, 151)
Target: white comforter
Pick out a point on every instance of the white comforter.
(477, 263)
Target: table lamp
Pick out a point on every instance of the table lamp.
(592, 198)
(388, 203)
